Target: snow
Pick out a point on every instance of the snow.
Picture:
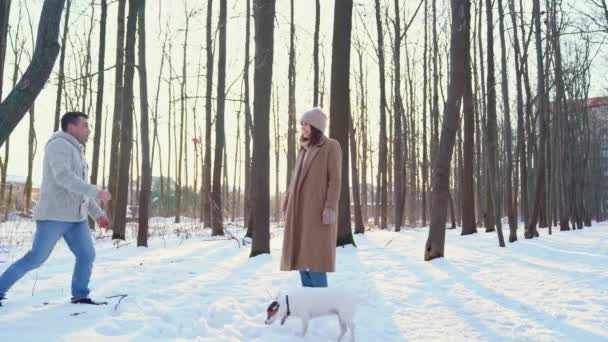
(192, 287)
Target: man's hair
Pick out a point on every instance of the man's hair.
(71, 118)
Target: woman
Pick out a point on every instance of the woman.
(311, 204)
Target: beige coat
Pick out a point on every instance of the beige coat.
(308, 244)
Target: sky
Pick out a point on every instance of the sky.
(169, 16)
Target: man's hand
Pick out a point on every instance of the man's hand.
(103, 195)
(103, 221)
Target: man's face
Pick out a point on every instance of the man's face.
(80, 130)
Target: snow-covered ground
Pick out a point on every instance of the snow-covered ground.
(554, 288)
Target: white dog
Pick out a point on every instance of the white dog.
(309, 302)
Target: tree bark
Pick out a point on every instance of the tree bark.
(216, 194)
(264, 48)
(20, 99)
(146, 169)
(459, 59)
(493, 208)
(315, 54)
(531, 231)
(511, 214)
(469, 224)
(100, 86)
(61, 74)
(206, 176)
(340, 108)
(383, 154)
(248, 124)
(126, 132)
(118, 104)
(398, 169)
(291, 110)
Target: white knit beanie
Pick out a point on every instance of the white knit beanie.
(316, 118)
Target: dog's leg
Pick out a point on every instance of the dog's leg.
(304, 327)
(351, 327)
(342, 327)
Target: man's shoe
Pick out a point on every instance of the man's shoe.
(87, 301)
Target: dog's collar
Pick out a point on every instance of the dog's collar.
(288, 310)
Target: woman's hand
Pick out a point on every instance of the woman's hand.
(329, 216)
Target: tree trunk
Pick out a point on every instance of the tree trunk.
(61, 74)
(459, 59)
(277, 153)
(262, 79)
(340, 108)
(383, 155)
(182, 140)
(31, 151)
(315, 53)
(359, 227)
(291, 111)
(20, 99)
(118, 104)
(531, 231)
(398, 169)
(146, 169)
(216, 194)
(363, 127)
(521, 143)
(493, 208)
(425, 162)
(248, 124)
(469, 224)
(206, 176)
(5, 8)
(100, 85)
(511, 214)
(126, 133)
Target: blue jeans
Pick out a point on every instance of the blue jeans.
(78, 239)
(313, 279)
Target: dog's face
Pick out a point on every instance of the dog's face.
(272, 312)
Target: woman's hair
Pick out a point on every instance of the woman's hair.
(315, 136)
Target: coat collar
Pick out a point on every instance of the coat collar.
(313, 150)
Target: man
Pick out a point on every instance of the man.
(65, 199)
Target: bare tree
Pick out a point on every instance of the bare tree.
(118, 104)
(146, 169)
(425, 162)
(459, 59)
(383, 154)
(398, 168)
(126, 133)
(507, 135)
(100, 86)
(340, 108)
(291, 110)
(61, 75)
(531, 231)
(206, 175)
(182, 141)
(491, 132)
(216, 194)
(264, 49)
(248, 122)
(32, 81)
(469, 224)
(315, 53)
